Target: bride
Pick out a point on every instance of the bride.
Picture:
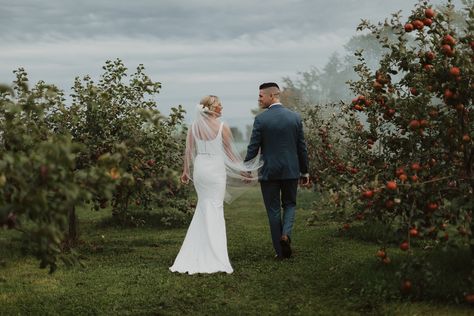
(218, 173)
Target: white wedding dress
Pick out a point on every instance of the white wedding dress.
(204, 249)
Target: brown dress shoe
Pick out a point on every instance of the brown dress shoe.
(285, 246)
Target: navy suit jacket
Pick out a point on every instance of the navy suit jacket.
(278, 133)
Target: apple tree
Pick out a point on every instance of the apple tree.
(417, 112)
(38, 179)
(115, 117)
(409, 133)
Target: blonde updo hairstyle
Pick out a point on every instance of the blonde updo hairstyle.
(209, 102)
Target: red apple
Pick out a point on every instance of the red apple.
(406, 286)
(446, 50)
(413, 232)
(417, 24)
(415, 166)
(409, 27)
(427, 21)
(414, 124)
(429, 13)
(469, 298)
(455, 71)
(430, 55)
(404, 246)
(399, 171)
(448, 93)
(391, 185)
(413, 91)
(432, 206)
(449, 40)
(150, 162)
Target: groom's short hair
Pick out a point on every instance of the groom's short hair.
(267, 85)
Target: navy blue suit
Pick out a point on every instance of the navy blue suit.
(278, 135)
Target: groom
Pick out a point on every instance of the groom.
(278, 134)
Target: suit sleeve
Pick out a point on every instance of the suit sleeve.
(302, 150)
(255, 141)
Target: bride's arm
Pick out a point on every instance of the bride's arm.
(227, 141)
(188, 156)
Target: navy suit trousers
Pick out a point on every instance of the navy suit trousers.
(272, 191)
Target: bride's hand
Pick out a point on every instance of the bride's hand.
(184, 178)
(246, 176)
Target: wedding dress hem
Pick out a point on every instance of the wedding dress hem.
(192, 272)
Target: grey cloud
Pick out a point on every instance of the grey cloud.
(192, 47)
(30, 19)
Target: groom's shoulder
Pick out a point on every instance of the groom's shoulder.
(291, 112)
(262, 115)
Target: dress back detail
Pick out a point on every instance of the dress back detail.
(211, 147)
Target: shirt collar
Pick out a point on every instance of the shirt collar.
(274, 104)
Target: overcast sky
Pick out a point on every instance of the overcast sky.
(193, 48)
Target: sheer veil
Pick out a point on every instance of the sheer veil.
(239, 175)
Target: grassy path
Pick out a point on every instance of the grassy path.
(126, 273)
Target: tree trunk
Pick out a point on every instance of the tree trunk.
(72, 219)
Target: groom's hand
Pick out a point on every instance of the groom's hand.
(304, 181)
(246, 176)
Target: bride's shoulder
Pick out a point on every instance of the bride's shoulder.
(226, 129)
(225, 126)
(223, 123)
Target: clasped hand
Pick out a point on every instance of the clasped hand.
(247, 176)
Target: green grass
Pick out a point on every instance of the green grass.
(126, 273)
